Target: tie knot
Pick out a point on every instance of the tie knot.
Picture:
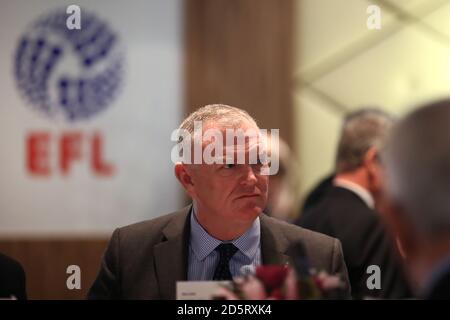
(226, 250)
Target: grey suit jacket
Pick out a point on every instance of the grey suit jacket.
(146, 259)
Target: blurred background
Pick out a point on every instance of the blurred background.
(86, 115)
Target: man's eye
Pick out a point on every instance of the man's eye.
(228, 166)
(262, 162)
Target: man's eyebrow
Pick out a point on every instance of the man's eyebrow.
(247, 146)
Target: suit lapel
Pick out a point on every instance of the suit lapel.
(172, 253)
(273, 243)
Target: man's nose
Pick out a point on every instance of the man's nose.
(249, 176)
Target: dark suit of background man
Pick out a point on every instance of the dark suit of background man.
(212, 239)
(417, 205)
(12, 279)
(346, 209)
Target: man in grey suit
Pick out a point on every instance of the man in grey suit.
(222, 231)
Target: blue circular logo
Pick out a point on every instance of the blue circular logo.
(69, 74)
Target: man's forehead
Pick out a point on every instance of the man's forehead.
(238, 139)
(223, 125)
(250, 144)
(232, 135)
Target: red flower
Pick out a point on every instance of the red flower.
(272, 276)
(281, 282)
(276, 294)
(318, 282)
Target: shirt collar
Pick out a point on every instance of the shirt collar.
(358, 190)
(202, 243)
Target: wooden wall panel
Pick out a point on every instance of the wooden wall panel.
(45, 262)
(239, 52)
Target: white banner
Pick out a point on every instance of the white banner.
(88, 103)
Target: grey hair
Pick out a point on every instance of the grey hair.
(417, 162)
(222, 114)
(361, 130)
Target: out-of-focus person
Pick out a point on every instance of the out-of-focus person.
(346, 209)
(417, 202)
(316, 194)
(283, 198)
(12, 279)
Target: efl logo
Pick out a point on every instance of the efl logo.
(67, 74)
(52, 83)
(70, 147)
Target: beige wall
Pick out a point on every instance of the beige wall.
(341, 65)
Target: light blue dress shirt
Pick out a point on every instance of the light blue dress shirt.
(203, 258)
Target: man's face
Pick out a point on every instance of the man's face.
(230, 190)
(378, 177)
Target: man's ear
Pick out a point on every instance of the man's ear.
(184, 176)
(371, 158)
(372, 166)
(398, 225)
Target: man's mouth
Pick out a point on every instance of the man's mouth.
(253, 195)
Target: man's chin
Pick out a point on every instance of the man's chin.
(250, 211)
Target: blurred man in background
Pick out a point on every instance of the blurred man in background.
(346, 210)
(417, 206)
(12, 279)
(284, 195)
(316, 194)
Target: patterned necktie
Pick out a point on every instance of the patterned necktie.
(226, 251)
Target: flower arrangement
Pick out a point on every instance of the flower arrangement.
(275, 282)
